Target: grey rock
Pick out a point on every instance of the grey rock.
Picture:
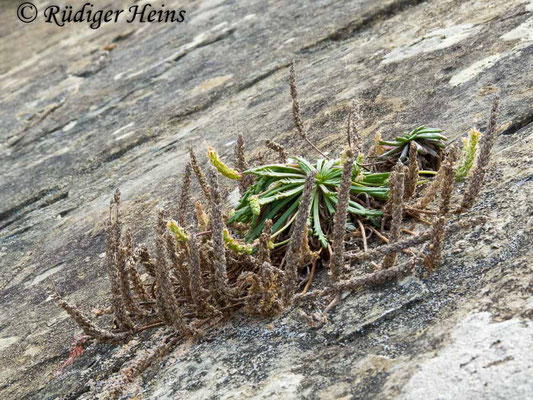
(80, 118)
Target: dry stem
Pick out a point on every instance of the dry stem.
(296, 111)
(199, 174)
(299, 230)
(217, 222)
(277, 148)
(477, 177)
(339, 221)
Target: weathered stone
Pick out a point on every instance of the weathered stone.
(80, 118)
(485, 359)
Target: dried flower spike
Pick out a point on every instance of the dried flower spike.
(354, 128)
(396, 210)
(433, 257)
(339, 221)
(299, 230)
(411, 179)
(168, 305)
(113, 259)
(296, 111)
(124, 264)
(431, 191)
(277, 148)
(199, 174)
(185, 197)
(476, 179)
(242, 165)
(263, 251)
(201, 216)
(448, 181)
(217, 222)
(88, 327)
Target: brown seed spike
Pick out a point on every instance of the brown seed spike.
(135, 277)
(306, 255)
(88, 327)
(167, 303)
(199, 174)
(184, 205)
(177, 252)
(299, 230)
(142, 255)
(354, 128)
(396, 209)
(217, 224)
(411, 178)
(410, 241)
(478, 175)
(376, 278)
(390, 248)
(274, 146)
(296, 111)
(431, 191)
(433, 257)
(341, 213)
(116, 196)
(240, 159)
(201, 216)
(295, 103)
(198, 293)
(125, 258)
(263, 253)
(113, 259)
(448, 181)
(242, 165)
(138, 365)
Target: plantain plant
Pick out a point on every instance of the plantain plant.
(277, 190)
(429, 142)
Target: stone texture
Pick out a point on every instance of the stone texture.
(78, 120)
(483, 360)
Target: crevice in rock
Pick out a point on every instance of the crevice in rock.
(176, 118)
(44, 134)
(217, 95)
(15, 213)
(368, 325)
(364, 22)
(34, 199)
(207, 42)
(519, 124)
(210, 40)
(67, 211)
(114, 155)
(34, 120)
(262, 76)
(19, 232)
(55, 199)
(183, 51)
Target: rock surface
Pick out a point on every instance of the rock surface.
(79, 118)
